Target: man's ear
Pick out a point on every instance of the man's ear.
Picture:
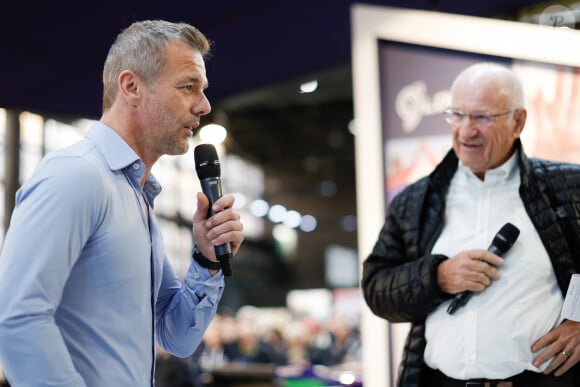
(130, 87)
(520, 119)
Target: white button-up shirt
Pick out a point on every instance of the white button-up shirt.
(491, 336)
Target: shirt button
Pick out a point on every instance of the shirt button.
(136, 166)
(196, 275)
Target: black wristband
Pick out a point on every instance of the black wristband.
(204, 262)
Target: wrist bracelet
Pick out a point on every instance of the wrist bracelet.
(204, 262)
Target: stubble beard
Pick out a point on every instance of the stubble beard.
(172, 141)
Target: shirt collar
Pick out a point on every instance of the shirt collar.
(119, 155)
(116, 151)
(503, 172)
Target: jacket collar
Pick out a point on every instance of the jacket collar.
(443, 173)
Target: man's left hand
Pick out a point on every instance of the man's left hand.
(562, 345)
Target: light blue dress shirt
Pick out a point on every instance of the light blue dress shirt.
(85, 286)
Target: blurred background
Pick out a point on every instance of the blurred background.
(282, 120)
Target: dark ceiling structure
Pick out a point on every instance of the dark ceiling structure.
(51, 57)
(52, 52)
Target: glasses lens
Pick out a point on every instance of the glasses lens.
(482, 118)
(453, 116)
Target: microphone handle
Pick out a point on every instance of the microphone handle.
(212, 188)
(459, 301)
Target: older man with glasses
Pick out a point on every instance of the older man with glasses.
(482, 316)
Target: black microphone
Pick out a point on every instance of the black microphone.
(207, 166)
(502, 242)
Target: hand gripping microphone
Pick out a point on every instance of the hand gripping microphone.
(502, 242)
(207, 166)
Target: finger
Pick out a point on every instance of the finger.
(545, 340)
(562, 362)
(543, 357)
(234, 237)
(484, 280)
(570, 360)
(480, 267)
(475, 282)
(479, 280)
(492, 259)
(224, 202)
(216, 233)
(221, 218)
(489, 271)
(557, 361)
(547, 353)
(216, 230)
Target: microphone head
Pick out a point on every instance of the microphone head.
(506, 237)
(207, 163)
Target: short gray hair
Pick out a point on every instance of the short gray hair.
(141, 48)
(509, 84)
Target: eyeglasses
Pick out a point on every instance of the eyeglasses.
(456, 116)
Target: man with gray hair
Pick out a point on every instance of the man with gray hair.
(431, 254)
(86, 289)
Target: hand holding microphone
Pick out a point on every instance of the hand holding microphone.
(208, 169)
(502, 242)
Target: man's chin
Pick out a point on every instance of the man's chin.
(178, 149)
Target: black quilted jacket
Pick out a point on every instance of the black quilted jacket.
(399, 276)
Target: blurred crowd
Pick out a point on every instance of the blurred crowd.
(241, 339)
